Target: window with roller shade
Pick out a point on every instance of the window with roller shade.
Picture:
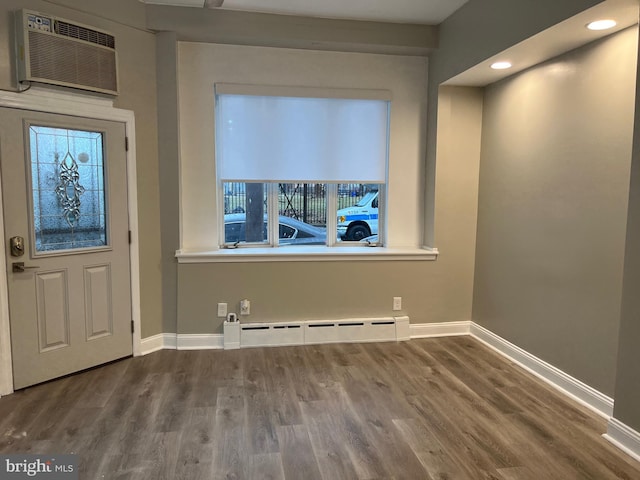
(291, 165)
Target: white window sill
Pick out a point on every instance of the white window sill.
(307, 254)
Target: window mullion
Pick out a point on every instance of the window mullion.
(221, 213)
(273, 214)
(382, 214)
(332, 209)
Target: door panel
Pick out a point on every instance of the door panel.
(97, 301)
(52, 312)
(65, 192)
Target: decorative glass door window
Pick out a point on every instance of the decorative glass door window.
(67, 189)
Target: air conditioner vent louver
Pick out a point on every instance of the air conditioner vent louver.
(86, 34)
(54, 51)
(76, 64)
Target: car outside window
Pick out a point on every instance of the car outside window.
(359, 219)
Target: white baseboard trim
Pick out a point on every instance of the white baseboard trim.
(566, 384)
(444, 329)
(154, 343)
(182, 341)
(206, 341)
(623, 437)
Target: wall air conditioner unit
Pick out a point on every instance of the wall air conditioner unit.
(60, 52)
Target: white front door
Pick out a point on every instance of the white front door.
(64, 187)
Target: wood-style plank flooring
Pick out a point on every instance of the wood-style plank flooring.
(445, 408)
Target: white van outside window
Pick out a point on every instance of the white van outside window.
(360, 220)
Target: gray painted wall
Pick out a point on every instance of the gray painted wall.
(477, 31)
(627, 393)
(437, 291)
(556, 152)
(264, 29)
(169, 172)
(281, 291)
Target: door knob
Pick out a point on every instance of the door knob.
(21, 267)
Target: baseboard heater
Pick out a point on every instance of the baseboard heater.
(351, 330)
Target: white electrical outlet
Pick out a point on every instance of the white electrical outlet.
(222, 310)
(397, 303)
(245, 307)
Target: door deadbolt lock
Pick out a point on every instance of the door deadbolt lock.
(17, 246)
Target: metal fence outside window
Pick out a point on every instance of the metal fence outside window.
(303, 201)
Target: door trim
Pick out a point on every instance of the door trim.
(42, 100)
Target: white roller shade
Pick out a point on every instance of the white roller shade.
(297, 139)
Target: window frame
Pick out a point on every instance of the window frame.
(272, 190)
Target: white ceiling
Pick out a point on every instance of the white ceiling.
(428, 12)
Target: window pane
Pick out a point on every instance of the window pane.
(67, 189)
(358, 212)
(245, 209)
(303, 213)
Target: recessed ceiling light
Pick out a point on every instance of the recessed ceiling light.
(501, 65)
(601, 25)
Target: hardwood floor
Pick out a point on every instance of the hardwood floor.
(445, 408)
